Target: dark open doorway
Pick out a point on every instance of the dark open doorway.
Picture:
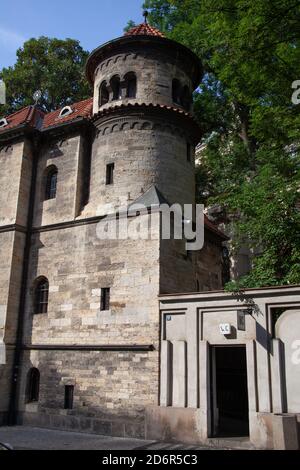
(229, 391)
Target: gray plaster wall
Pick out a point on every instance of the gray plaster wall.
(191, 324)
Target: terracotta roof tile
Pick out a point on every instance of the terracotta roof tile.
(30, 115)
(144, 29)
(82, 109)
(36, 118)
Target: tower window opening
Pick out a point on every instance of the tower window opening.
(116, 88)
(130, 79)
(105, 299)
(103, 94)
(110, 173)
(69, 397)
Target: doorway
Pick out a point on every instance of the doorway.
(229, 391)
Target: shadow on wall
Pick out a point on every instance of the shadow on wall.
(58, 371)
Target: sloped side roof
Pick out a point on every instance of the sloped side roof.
(36, 118)
(81, 109)
(31, 115)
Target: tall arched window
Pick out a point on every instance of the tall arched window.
(116, 88)
(130, 80)
(176, 88)
(33, 385)
(103, 94)
(41, 294)
(51, 183)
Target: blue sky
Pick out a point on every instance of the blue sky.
(92, 22)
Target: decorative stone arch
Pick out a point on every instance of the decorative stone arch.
(146, 125)
(125, 126)
(106, 131)
(115, 128)
(118, 57)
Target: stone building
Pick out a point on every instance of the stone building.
(95, 334)
(79, 315)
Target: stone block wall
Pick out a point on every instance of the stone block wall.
(145, 152)
(111, 390)
(154, 69)
(12, 162)
(77, 265)
(65, 154)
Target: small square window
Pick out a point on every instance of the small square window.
(110, 173)
(105, 299)
(69, 397)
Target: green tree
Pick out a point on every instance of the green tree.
(131, 24)
(54, 66)
(251, 166)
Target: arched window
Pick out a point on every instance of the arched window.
(51, 183)
(130, 80)
(116, 88)
(33, 385)
(176, 87)
(103, 94)
(65, 111)
(186, 98)
(41, 294)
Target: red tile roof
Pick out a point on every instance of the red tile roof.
(36, 118)
(29, 115)
(144, 29)
(81, 109)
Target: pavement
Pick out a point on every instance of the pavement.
(29, 438)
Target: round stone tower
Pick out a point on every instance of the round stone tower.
(146, 134)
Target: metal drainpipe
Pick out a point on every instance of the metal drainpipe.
(13, 402)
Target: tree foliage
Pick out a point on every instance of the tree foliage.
(54, 66)
(251, 166)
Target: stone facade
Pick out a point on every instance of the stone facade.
(110, 357)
